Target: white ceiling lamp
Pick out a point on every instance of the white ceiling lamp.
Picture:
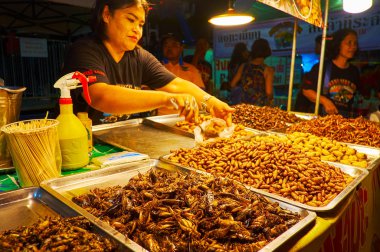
(231, 18)
(356, 6)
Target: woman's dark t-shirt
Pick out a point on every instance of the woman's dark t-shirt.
(136, 68)
(341, 87)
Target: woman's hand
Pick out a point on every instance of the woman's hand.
(186, 104)
(329, 107)
(220, 109)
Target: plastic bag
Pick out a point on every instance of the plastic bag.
(211, 129)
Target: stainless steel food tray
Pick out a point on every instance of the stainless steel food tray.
(7, 170)
(282, 130)
(66, 188)
(305, 116)
(24, 207)
(279, 130)
(169, 122)
(358, 173)
(135, 135)
(372, 153)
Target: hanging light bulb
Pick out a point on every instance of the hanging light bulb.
(356, 6)
(231, 18)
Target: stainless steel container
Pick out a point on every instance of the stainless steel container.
(10, 105)
(26, 206)
(65, 188)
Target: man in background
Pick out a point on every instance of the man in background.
(172, 48)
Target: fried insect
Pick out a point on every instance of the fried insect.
(349, 130)
(55, 234)
(278, 168)
(262, 118)
(172, 211)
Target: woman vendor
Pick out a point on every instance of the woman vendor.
(121, 67)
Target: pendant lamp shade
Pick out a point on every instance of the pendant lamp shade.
(356, 6)
(231, 18)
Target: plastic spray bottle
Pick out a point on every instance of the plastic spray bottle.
(72, 134)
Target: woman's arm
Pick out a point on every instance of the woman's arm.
(120, 100)
(235, 80)
(326, 103)
(214, 106)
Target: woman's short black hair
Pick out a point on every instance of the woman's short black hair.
(237, 54)
(97, 24)
(337, 38)
(260, 49)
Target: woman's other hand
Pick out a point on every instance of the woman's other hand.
(186, 105)
(220, 109)
(329, 106)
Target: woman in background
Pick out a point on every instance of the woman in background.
(239, 56)
(255, 76)
(340, 78)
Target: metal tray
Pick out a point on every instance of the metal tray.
(372, 153)
(279, 130)
(107, 126)
(305, 116)
(358, 173)
(24, 207)
(169, 122)
(369, 150)
(134, 135)
(66, 188)
(7, 170)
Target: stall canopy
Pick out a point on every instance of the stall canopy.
(81, 3)
(69, 17)
(63, 18)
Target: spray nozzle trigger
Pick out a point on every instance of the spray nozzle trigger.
(82, 78)
(71, 81)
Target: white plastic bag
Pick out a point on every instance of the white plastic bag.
(211, 129)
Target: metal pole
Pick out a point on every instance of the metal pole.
(322, 58)
(293, 60)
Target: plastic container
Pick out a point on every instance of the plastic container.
(72, 139)
(87, 123)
